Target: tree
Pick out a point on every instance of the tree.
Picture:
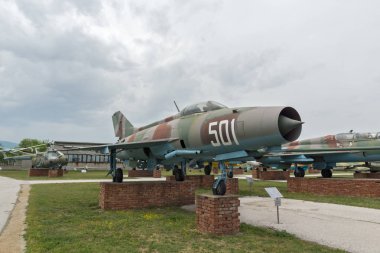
(26, 143)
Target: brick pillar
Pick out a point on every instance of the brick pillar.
(256, 173)
(55, 173)
(232, 186)
(38, 172)
(217, 214)
(157, 173)
(238, 171)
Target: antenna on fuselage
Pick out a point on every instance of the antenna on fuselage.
(176, 106)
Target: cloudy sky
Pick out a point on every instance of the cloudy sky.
(66, 66)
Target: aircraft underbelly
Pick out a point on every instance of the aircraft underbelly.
(357, 157)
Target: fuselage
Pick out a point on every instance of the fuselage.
(214, 130)
(331, 142)
(49, 159)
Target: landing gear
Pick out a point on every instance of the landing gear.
(207, 169)
(178, 173)
(219, 185)
(220, 188)
(118, 178)
(326, 173)
(298, 172)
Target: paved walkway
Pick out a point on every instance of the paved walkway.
(9, 189)
(354, 229)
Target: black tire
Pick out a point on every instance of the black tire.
(207, 170)
(175, 169)
(118, 175)
(230, 174)
(220, 189)
(299, 173)
(326, 173)
(179, 175)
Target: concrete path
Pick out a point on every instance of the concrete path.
(9, 189)
(354, 229)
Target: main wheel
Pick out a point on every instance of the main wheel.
(118, 175)
(326, 173)
(175, 169)
(220, 189)
(299, 173)
(230, 174)
(207, 170)
(179, 176)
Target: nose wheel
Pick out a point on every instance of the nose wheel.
(219, 185)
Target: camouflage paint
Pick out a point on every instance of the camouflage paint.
(216, 131)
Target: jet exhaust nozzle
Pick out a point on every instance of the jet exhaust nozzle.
(290, 124)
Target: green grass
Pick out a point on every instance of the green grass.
(66, 218)
(23, 175)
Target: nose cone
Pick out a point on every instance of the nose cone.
(286, 124)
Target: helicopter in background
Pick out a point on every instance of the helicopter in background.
(51, 159)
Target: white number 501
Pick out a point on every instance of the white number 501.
(220, 128)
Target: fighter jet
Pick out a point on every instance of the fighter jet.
(202, 132)
(48, 159)
(324, 152)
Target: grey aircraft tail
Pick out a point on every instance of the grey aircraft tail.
(121, 125)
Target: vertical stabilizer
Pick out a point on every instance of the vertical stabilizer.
(121, 125)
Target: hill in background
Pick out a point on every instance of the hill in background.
(7, 144)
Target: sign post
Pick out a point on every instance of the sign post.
(276, 195)
(250, 183)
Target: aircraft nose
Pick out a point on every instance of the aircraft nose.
(287, 124)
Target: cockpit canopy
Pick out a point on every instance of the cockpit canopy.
(53, 154)
(202, 107)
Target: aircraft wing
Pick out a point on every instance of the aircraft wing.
(126, 145)
(316, 152)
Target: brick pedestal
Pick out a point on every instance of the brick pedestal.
(55, 173)
(131, 195)
(200, 181)
(232, 186)
(217, 214)
(312, 171)
(255, 173)
(270, 174)
(339, 186)
(140, 173)
(38, 172)
(157, 173)
(367, 175)
(238, 171)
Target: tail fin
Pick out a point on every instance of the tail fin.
(121, 125)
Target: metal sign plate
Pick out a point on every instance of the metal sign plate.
(273, 192)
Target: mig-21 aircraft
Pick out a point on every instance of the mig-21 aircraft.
(203, 132)
(51, 158)
(325, 152)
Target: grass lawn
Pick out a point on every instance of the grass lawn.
(23, 175)
(66, 218)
